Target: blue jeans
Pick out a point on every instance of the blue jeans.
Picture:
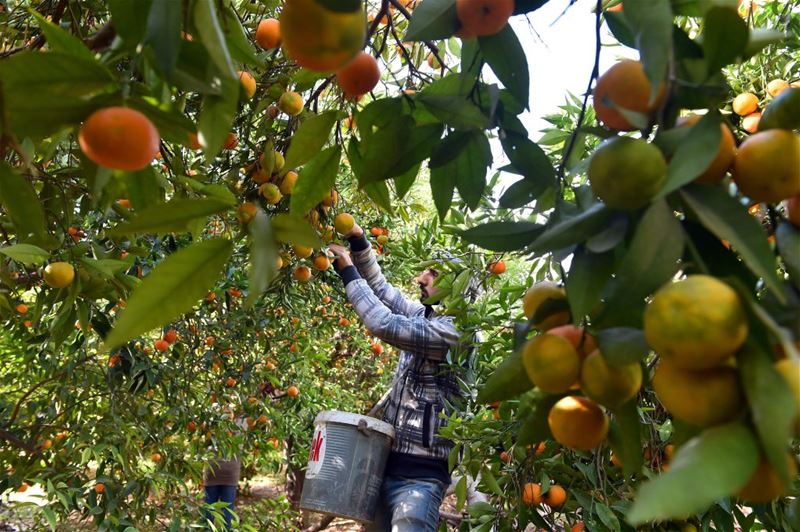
(221, 494)
(408, 505)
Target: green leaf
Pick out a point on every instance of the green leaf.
(60, 40)
(529, 160)
(724, 38)
(783, 112)
(622, 345)
(378, 192)
(173, 216)
(574, 229)
(455, 111)
(502, 236)
(404, 182)
(488, 480)
(22, 205)
(724, 457)
(760, 38)
(535, 427)
(460, 489)
(772, 405)
(212, 37)
(432, 19)
(172, 125)
(50, 515)
(505, 55)
(443, 184)
(466, 156)
(625, 437)
(309, 139)
(172, 288)
(694, 154)
(239, 45)
(25, 254)
(163, 33)
(728, 219)
(507, 381)
(588, 275)
(342, 6)
(653, 256)
(651, 23)
(620, 29)
(787, 238)
(130, 19)
(288, 229)
(315, 180)
(263, 256)
(216, 117)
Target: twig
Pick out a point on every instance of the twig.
(433, 48)
(39, 41)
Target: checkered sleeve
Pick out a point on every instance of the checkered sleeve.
(416, 334)
(367, 265)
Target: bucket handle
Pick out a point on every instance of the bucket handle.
(363, 428)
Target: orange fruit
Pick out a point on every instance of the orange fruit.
(230, 382)
(497, 267)
(376, 348)
(626, 173)
(268, 33)
(321, 262)
(535, 305)
(376, 231)
(248, 82)
(745, 103)
(119, 138)
(579, 526)
(331, 199)
(319, 38)
(699, 397)
(359, 76)
(191, 426)
(23, 487)
(751, 121)
(610, 386)
(99, 488)
(46, 444)
(302, 274)
(246, 213)
(552, 364)
(161, 345)
(290, 103)
(483, 17)
(765, 484)
(505, 457)
(578, 423)
(344, 322)
(767, 166)
(170, 336)
(583, 342)
(615, 460)
(113, 361)
(724, 159)
(22, 308)
(27, 323)
(697, 322)
(555, 496)
(343, 223)
(271, 193)
(288, 183)
(669, 450)
(292, 391)
(532, 494)
(625, 85)
(230, 141)
(777, 86)
(155, 457)
(209, 341)
(301, 252)
(59, 274)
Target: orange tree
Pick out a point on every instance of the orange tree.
(156, 153)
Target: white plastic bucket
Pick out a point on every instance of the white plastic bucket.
(345, 465)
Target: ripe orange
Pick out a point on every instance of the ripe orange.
(46, 444)
(750, 122)
(191, 426)
(246, 213)
(293, 348)
(22, 308)
(119, 138)
(697, 322)
(532, 494)
(230, 382)
(552, 364)
(505, 457)
(27, 323)
(170, 336)
(302, 274)
(321, 39)
(543, 294)
(99, 488)
(777, 86)
(583, 342)
(724, 159)
(767, 166)
(555, 496)
(611, 386)
(290, 103)
(155, 457)
(579, 526)
(699, 397)
(626, 173)
(578, 423)
(161, 345)
(625, 85)
(209, 341)
(322, 263)
(497, 267)
(292, 391)
(326, 299)
(59, 274)
(359, 76)
(248, 82)
(745, 103)
(344, 322)
(376, 348)
(268, 33)
(343, 223)
(376, 231)
(483, 17)
(288, 183)
(23, 487)
(113, 361)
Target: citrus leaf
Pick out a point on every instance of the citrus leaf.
(25, 254)
(172, 125)
(625, 437)
(288, 229)
(164, 33)
(172, 288)
(771, 402)
(724, 457)
(309, 139)
(502, 236)
(588, 275)
(432, 19)
(60, 40)
(651, 23)
(622, 345)
(728, 219)
(783, 112)
(378, 192)
(263, 256)
(724, 38)
(216, 117)
(455, 111)
(466, 156)
(574, 229)
(529, 160)
(507, 381)
(506, 57)
(787, 238)
(761, 38)
(22, 205)
(535, 427)
(239, 45)
(173, 216)
(443, 185)
(694, 154)
(212, 37)
(315, 180)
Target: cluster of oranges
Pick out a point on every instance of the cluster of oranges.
(746, 104)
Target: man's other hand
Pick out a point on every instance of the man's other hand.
(342, 256)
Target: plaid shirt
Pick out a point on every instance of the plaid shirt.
(424, 386)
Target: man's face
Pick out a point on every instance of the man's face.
(425, 282)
